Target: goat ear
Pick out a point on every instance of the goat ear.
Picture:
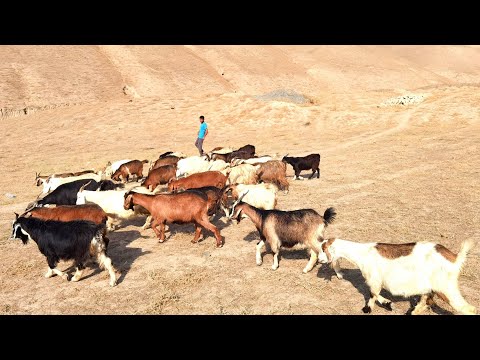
(16, 216)
(109, 163)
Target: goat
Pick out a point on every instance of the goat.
(248, 149)
(207, 178)
(274, 171)
(192, 165)
(227, 155)
(111, 168)
(217, 165)
(89, 212)
(40, 179)
(286, 228)
(133, 168)
(71, 240)
(177, 154)
(217, 198)
(238, 155)
(308, 162)
(66, 194)
(52, 182)
(244, 174)
(421, 268)
(262, 196)
(158, 176)
(252, 161)
(181, 208)
(169, 160)
(112, 203)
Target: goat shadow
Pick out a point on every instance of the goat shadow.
(287, 253)
(122, 256)
(355, 277)
(190, 228)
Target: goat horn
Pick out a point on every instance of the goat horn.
(237, 202)
(243, 195)
(84, 186)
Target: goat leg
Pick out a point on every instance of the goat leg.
(198, 232)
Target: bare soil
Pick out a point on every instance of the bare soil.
(394, 174)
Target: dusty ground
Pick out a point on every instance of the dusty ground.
(394, 174)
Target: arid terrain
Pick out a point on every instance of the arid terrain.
(394, 173)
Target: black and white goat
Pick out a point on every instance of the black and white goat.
(66, 194)
(286, 228)
(70, 240)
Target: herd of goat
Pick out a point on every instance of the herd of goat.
(70, 220)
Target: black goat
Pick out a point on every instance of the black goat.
(66, 240)
(66, 194)
(308, 162)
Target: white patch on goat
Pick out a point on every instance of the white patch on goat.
(60, 273)
(311, 262)
(258, 253)
(77, 276)
(25, 233)
(275, 261)
(49, 273)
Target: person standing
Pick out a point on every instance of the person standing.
(201, 135)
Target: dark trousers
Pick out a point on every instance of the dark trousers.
(199, 145)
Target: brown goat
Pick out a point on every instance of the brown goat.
(183, 208)
(168, 160)
(275, 172)
(207, 178)
(90, 212)
(217, 198)
(161, 175)
(134, 167)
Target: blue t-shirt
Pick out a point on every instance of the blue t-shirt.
(203, 129)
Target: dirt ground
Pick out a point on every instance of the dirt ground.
(394, 174)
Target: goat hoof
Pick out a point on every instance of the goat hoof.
(65, 276)
(388, 306)
(340, 276)
(73, 279)
(367, 310)
(113, 283)
(274, 268)
(219, 246)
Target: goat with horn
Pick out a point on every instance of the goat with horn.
(286, 228)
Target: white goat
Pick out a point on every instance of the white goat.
(422, 268)
(53, 182)
(191, 165)
(242, 174)
(111, 168)
(111, 201)
(251, 161)
(262, 196)
(217, 165)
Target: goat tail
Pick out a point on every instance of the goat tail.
(329, 216)
(467, 245)
(145, 161)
